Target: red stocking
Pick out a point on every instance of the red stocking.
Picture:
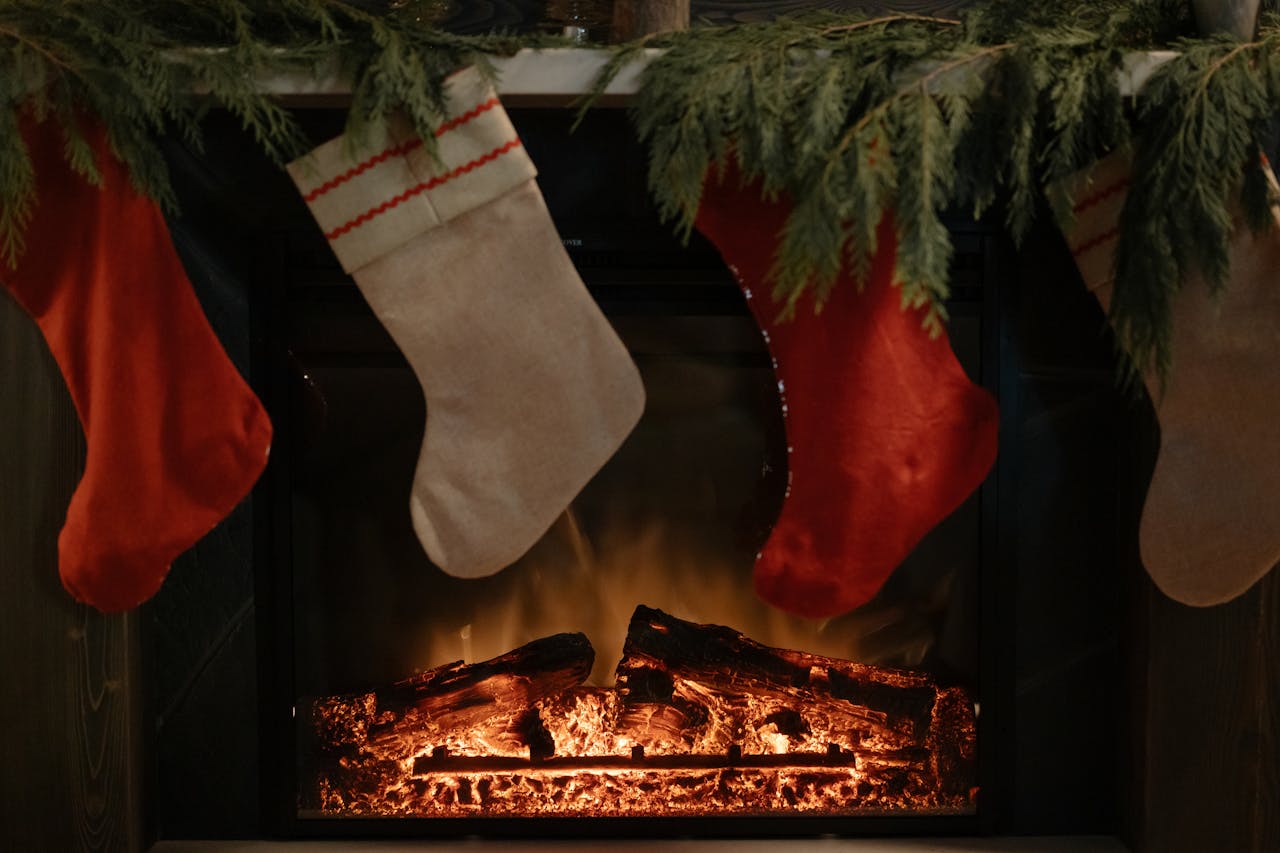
(175, 437)
(886, 435)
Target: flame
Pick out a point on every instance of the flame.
(572, 583)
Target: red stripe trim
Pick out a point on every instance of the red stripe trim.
(399, 150)
(459, 121)
(1101, 195)
(381, 157)
(396, 200)
(1089, 245)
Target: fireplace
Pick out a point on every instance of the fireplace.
(623, 668)
(1100, 706)
(899, 718)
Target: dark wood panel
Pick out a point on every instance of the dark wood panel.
(742, 11)
(635, 18)
(1268, 798)
(1137, 459)
(1210, 719)
(69, 778)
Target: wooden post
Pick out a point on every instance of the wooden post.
(635, 18)
(1238, 18)
(71, 777)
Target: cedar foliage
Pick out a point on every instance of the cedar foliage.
(1204, 126)
(136, 64)
(848, 114)
(851, 116)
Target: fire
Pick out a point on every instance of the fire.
(572, 582)
(701, 721)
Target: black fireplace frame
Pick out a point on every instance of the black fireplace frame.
(986, 264)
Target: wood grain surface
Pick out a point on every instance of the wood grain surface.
(1267, 818)
(69, 780)
(1212, 719)
(743, 11)
(635, 18)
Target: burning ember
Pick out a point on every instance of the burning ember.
(701, 721)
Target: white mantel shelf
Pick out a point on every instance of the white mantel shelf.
(554, 75)
(559, 75)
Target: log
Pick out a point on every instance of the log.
(673, 675)
(458, 696)
(697, 708)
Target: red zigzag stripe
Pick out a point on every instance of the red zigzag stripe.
(394, 201)
(398, 150)
(1101, 195)
(334, 183)
(1089, 245)
(459, 121)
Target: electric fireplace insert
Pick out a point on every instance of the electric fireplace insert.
(622, 678)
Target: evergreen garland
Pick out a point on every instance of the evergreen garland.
(850, 115)
(925, 115)
(136, 64)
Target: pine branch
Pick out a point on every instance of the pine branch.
(17, 188)
(49, 56)
(888, 19)
(908, 115)
(1202, 128)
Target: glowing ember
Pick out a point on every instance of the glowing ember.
(702, 721)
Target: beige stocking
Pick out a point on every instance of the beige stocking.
(528, 389)
(1211, 522)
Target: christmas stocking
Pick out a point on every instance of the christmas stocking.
(886, 435)
(1211, 522)
(175, 438)
(528, 389)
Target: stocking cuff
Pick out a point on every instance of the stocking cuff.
(374, 197)
(1096, 196)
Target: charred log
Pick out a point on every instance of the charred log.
(458, 695)
(535, 735)
(464, 694)
(952, 744)
(659, 647)
(908, 705)
(673, 671)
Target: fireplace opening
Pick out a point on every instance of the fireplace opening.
(624, 666)
(1013, 601)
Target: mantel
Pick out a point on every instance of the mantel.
(558, 76)
(546, 77)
